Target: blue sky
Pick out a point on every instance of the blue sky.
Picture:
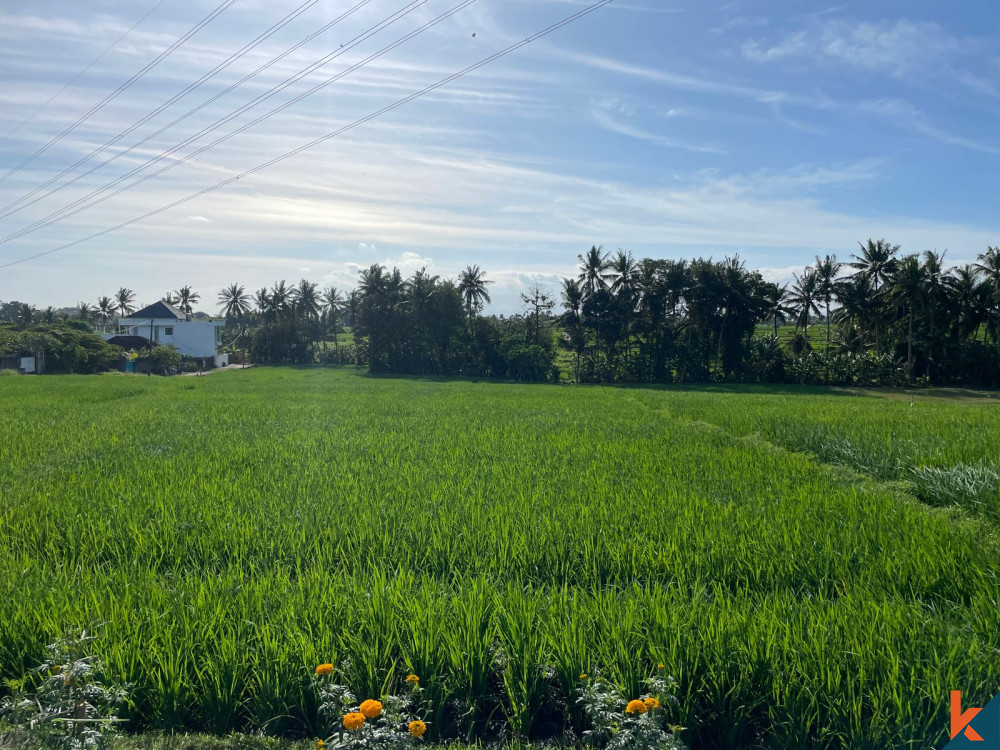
(776, 130)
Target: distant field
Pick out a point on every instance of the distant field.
(233, 531)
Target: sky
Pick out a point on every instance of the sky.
(772, 130)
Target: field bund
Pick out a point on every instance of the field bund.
(815, 569)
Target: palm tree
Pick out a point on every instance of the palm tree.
(778, 311)
(593, 271)
(827, 269)
(170, 298)
(279, 300)
(876, 263)
(989, 265)
(938, 298)
(623, 270)
(572, 299)
(333, 305)
(804, 297)
(472, 285)
(50, 315)
(234, 301)
(84, 312)
(106, 308)
(307, 299)
(968, 293)
(186, 297)
(125, 297)
(906, 288)
(25, 315)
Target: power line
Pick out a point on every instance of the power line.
(169, 125)
(114, 94)
(81, 203)
(322, 139)
(79, 75)
(10, 209)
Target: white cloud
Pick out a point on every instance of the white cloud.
(897, 47)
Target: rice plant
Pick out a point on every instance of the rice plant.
(497, 540)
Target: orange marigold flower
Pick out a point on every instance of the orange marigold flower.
(412, 679)
(354, 721)
(636, 707)
(324, 669)
(417, 728)
(651, 703)
(371, 709)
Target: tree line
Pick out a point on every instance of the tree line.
(881, 317)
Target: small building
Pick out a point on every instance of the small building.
(162, 323)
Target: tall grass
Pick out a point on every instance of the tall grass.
(495, 539)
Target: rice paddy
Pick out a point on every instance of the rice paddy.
(785, 554)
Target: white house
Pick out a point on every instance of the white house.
(163, 323)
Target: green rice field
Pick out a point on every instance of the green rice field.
(817, 569)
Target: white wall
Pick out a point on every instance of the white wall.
(195, 338)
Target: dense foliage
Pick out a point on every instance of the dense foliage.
(884, 319)
(65, 347)
(499, 540)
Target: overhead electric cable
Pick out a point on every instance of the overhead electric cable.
(322, 139)
(81, 203)
(10, 208)
(121, 89)
(83, 72)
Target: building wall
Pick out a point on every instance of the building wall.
(195, 338)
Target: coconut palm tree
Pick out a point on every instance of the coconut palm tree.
(938, 298)
(125, 297)
(906, 289)
(472, 285)
(333, 305)
(594, 271)
(989, 264)
(777, 309)
(234, 301)
(827, 269)
(84, 311)
(876, 262)
(106, 308)
(572, 319)
(969, 295)
(186, 297)
(804, 297)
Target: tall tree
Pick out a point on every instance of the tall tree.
(235, 302)
(472, 283)
(827, 269)
(125, 297)
(106, 308)
(876, 262)
(906, 289)
(186, 297)
(989, 264)
(594, 271)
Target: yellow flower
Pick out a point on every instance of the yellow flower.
(354, 721)
(651, 703)
(659, 666)
(417, 728)
(584, 676)
(412, 679)
(56, 668)
(636, 707)
(324, 669)
(320, 744)
(371, 709)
